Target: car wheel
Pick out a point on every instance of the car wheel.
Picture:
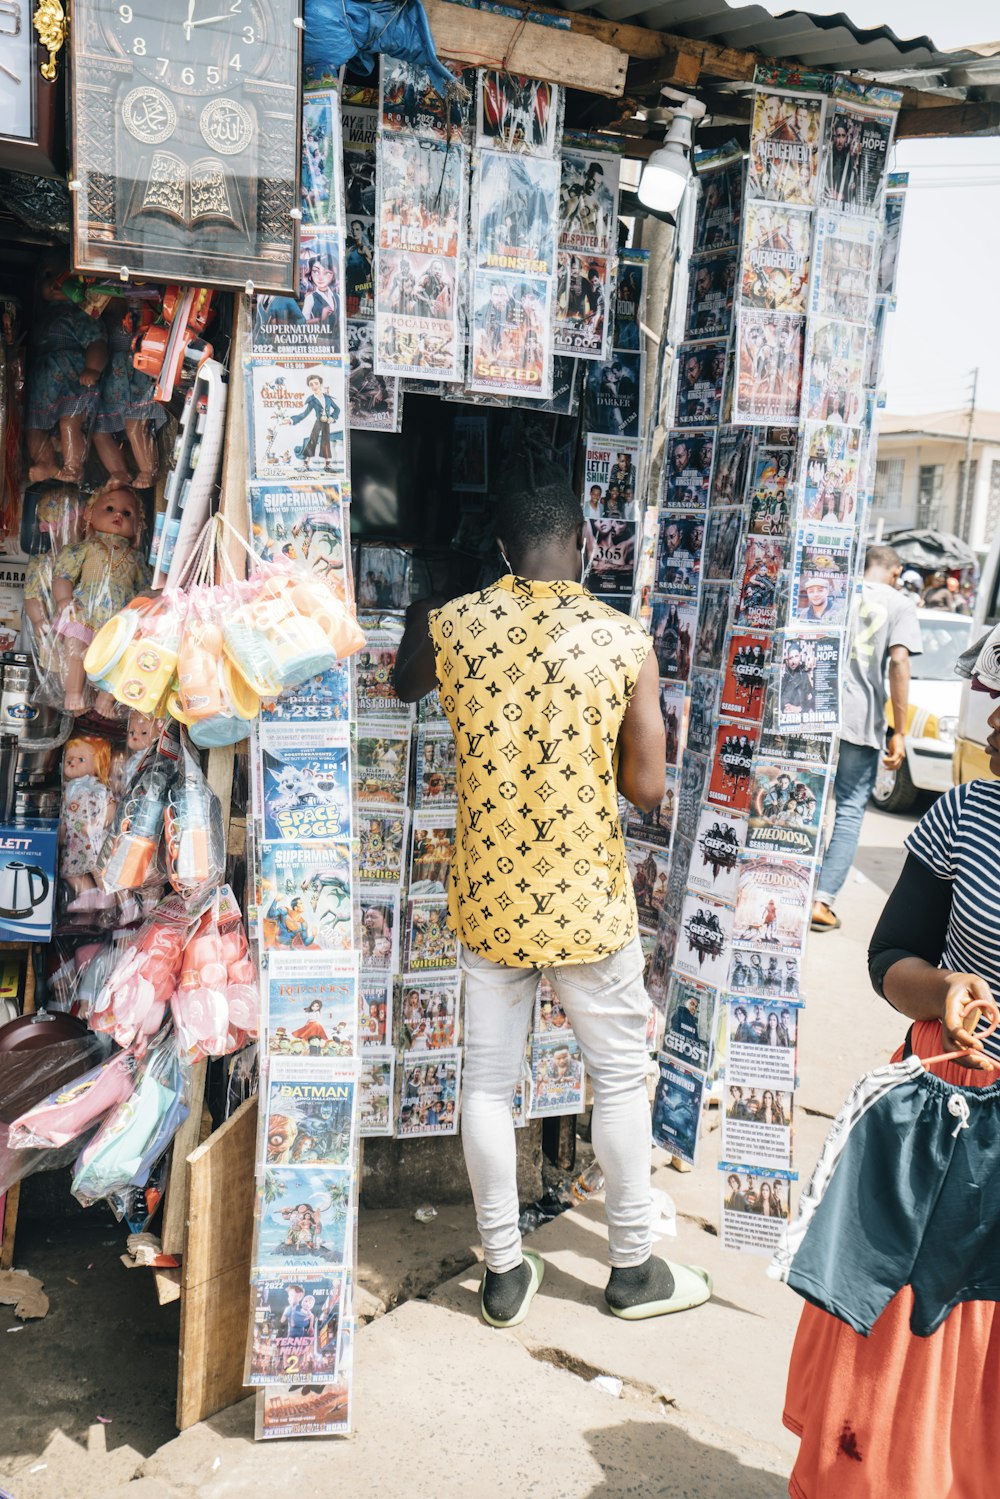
(894, 789)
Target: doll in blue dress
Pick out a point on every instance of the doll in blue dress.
(67, 357)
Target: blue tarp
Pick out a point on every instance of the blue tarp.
(356, 31)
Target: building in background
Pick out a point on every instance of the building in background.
(920, 474)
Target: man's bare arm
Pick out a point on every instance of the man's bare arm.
(642, 742)
(415, 675)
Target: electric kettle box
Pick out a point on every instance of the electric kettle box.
(28, 858)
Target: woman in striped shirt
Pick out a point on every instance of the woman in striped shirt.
(893, 1413)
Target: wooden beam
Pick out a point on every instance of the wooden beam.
(959, 119)
(573, 59)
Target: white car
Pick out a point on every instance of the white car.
(932, 720)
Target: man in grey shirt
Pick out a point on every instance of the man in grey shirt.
(886, 631)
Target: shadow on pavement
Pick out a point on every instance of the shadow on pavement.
(657, 1461)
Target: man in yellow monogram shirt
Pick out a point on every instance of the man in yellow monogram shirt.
(553, 699)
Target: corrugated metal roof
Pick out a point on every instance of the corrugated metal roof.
(832, 43)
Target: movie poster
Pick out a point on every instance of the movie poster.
(588, 215)
(648, 869)
(374, 400)
(718, 217)
(672, 712)
(722, 543)
(378, 940)
(821, 576)
(761, 1043)
(432, 853)
(375, 1090)
(786, 808)
(306, 781)
(412, 105)
(858, 144)
(429, 1093)
(313, 322)
(785, 136)
(303, 1410)
(373, 665)
(303, 1216)
(310, 1115)
(830, 475)
(321, 158)
(711, 287)
(672, 627)
(768, 386)
(429, 1012)
(748, 658)
(690, 1022)
(757, 1126)
(685, 480)
(703, 939)
(310, 1006)
(732, 465)
(757, 601)
(296, 1326)
(845, 267)
(613, 396)
(680, 542)
(772, 506)
(510, 347)
(808, 682)
(677, 1109)
(703, 702)
(360, 128)
(375, 1011)
(435, 768)
(756, 1205)
(775, 264)
(701, 379)
(306, 897)
(609, 479)
(729, 782)
(610, 549)
(381, 847)
(713, 617)
(303, 523)
(416, 317)
(557, 1076)
(517, 114)
(297, 415)
(430, 944)
(720, 837)
(383, 766)
(629, 300)
(694, 774)
(833, 387)
(656, 826)
(773, 905)
(892, 229)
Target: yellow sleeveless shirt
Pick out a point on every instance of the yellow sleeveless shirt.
(535, 679)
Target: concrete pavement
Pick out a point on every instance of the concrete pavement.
(446, 1406)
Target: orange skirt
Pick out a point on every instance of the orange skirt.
(894, 1416)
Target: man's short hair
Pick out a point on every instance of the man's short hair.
(542, 507)
(882, 556)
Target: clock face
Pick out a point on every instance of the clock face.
(194, 47)
(185, 118)
(17, 83)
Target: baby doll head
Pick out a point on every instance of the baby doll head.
(87, 755)
(115, 511)
(142, 730)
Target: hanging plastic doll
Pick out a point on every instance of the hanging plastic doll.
(84, 815)
(94, 578)
(126, 405)
(142, 732)
(59, 515)
(66, 359)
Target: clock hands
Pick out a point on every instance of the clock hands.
(190, 20)
(208, 21)
(12, 76)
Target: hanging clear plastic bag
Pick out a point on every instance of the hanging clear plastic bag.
(137, 1132)
(26, 1077)
(131, 856)
(195, 838)
(212, 700)
(133, 657)
(133, 1000)
(215, 1004)
(73, 1108)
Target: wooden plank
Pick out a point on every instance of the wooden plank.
(959, 119)
(219, 771)
(215, 1275)
(572, 58)
(8, 1224)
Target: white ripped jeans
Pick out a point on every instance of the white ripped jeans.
(606, 1005)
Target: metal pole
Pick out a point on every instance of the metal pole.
(965, 517)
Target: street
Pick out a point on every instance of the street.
(446, 1407)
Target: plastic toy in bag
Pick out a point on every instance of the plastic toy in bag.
(84, 814)
(138, 1131)
(212, 700)
(68, 1112)
(133, 1000)
(215, 1005)
(128, 856)
(134, 655)
(195, 841)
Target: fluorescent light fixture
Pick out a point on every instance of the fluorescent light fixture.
(668, 171)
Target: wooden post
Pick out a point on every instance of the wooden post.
(10, 1199)
(219, 774)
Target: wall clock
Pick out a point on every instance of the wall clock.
(30, 140)
(186, 118)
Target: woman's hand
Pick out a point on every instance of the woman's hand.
(961, 1018)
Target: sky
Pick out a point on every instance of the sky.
(947, 318)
